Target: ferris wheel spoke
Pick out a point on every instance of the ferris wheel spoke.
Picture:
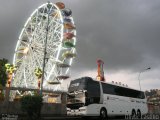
(38, 36)
(57, 35)
(26, 75)
(56, 28)
(38, 60)
(37, 46)
(18, 80)
(57, 23)
(37, 55)
(28, 35)
(40, 30)
(56, 14)
(23, 43)
(54, 47)
(30, 72)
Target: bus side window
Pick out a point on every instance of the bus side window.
(93, 92)
(142, 95)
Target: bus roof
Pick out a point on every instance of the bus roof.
(89, 78)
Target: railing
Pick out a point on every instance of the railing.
(33, 89)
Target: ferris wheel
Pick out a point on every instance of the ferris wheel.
(48, 35)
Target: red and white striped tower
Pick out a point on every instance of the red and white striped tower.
(100, 71)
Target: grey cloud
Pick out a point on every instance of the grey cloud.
(124, 33)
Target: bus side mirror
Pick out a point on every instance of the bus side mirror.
(91, 100)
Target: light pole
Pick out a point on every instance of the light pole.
(45, 53)
(140, 74)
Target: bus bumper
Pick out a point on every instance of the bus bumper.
(77, 112)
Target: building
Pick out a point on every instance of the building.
(153, 100)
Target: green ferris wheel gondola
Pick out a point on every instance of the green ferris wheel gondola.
(68, 44)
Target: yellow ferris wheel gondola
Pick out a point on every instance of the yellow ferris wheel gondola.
(69, 26)
(10, 68)
(68, 54)
(38, 72)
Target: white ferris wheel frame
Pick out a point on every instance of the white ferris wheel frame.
(56, 59)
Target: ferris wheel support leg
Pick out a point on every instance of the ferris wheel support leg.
(7, 94)
(6, 100)
(64, 98)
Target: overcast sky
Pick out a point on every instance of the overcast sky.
(125, 34)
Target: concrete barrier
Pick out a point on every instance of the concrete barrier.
(47, 108)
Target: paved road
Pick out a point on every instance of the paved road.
(78, 118)
(156, 117)
(148, 117)
(49, 118)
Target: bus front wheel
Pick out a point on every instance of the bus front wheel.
(133, 115)
(103, 114)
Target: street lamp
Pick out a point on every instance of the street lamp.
(45, 53)
(140, 74)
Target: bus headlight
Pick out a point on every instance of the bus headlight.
(82, 109)
(68, 109)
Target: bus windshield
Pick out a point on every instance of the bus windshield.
(83, 91)
(76, 98)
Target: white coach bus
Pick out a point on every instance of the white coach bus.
(88, 97)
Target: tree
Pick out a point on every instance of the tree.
(3, 75)
(32, 105)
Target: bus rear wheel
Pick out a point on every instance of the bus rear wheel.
(103, 114)
(139, 114)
